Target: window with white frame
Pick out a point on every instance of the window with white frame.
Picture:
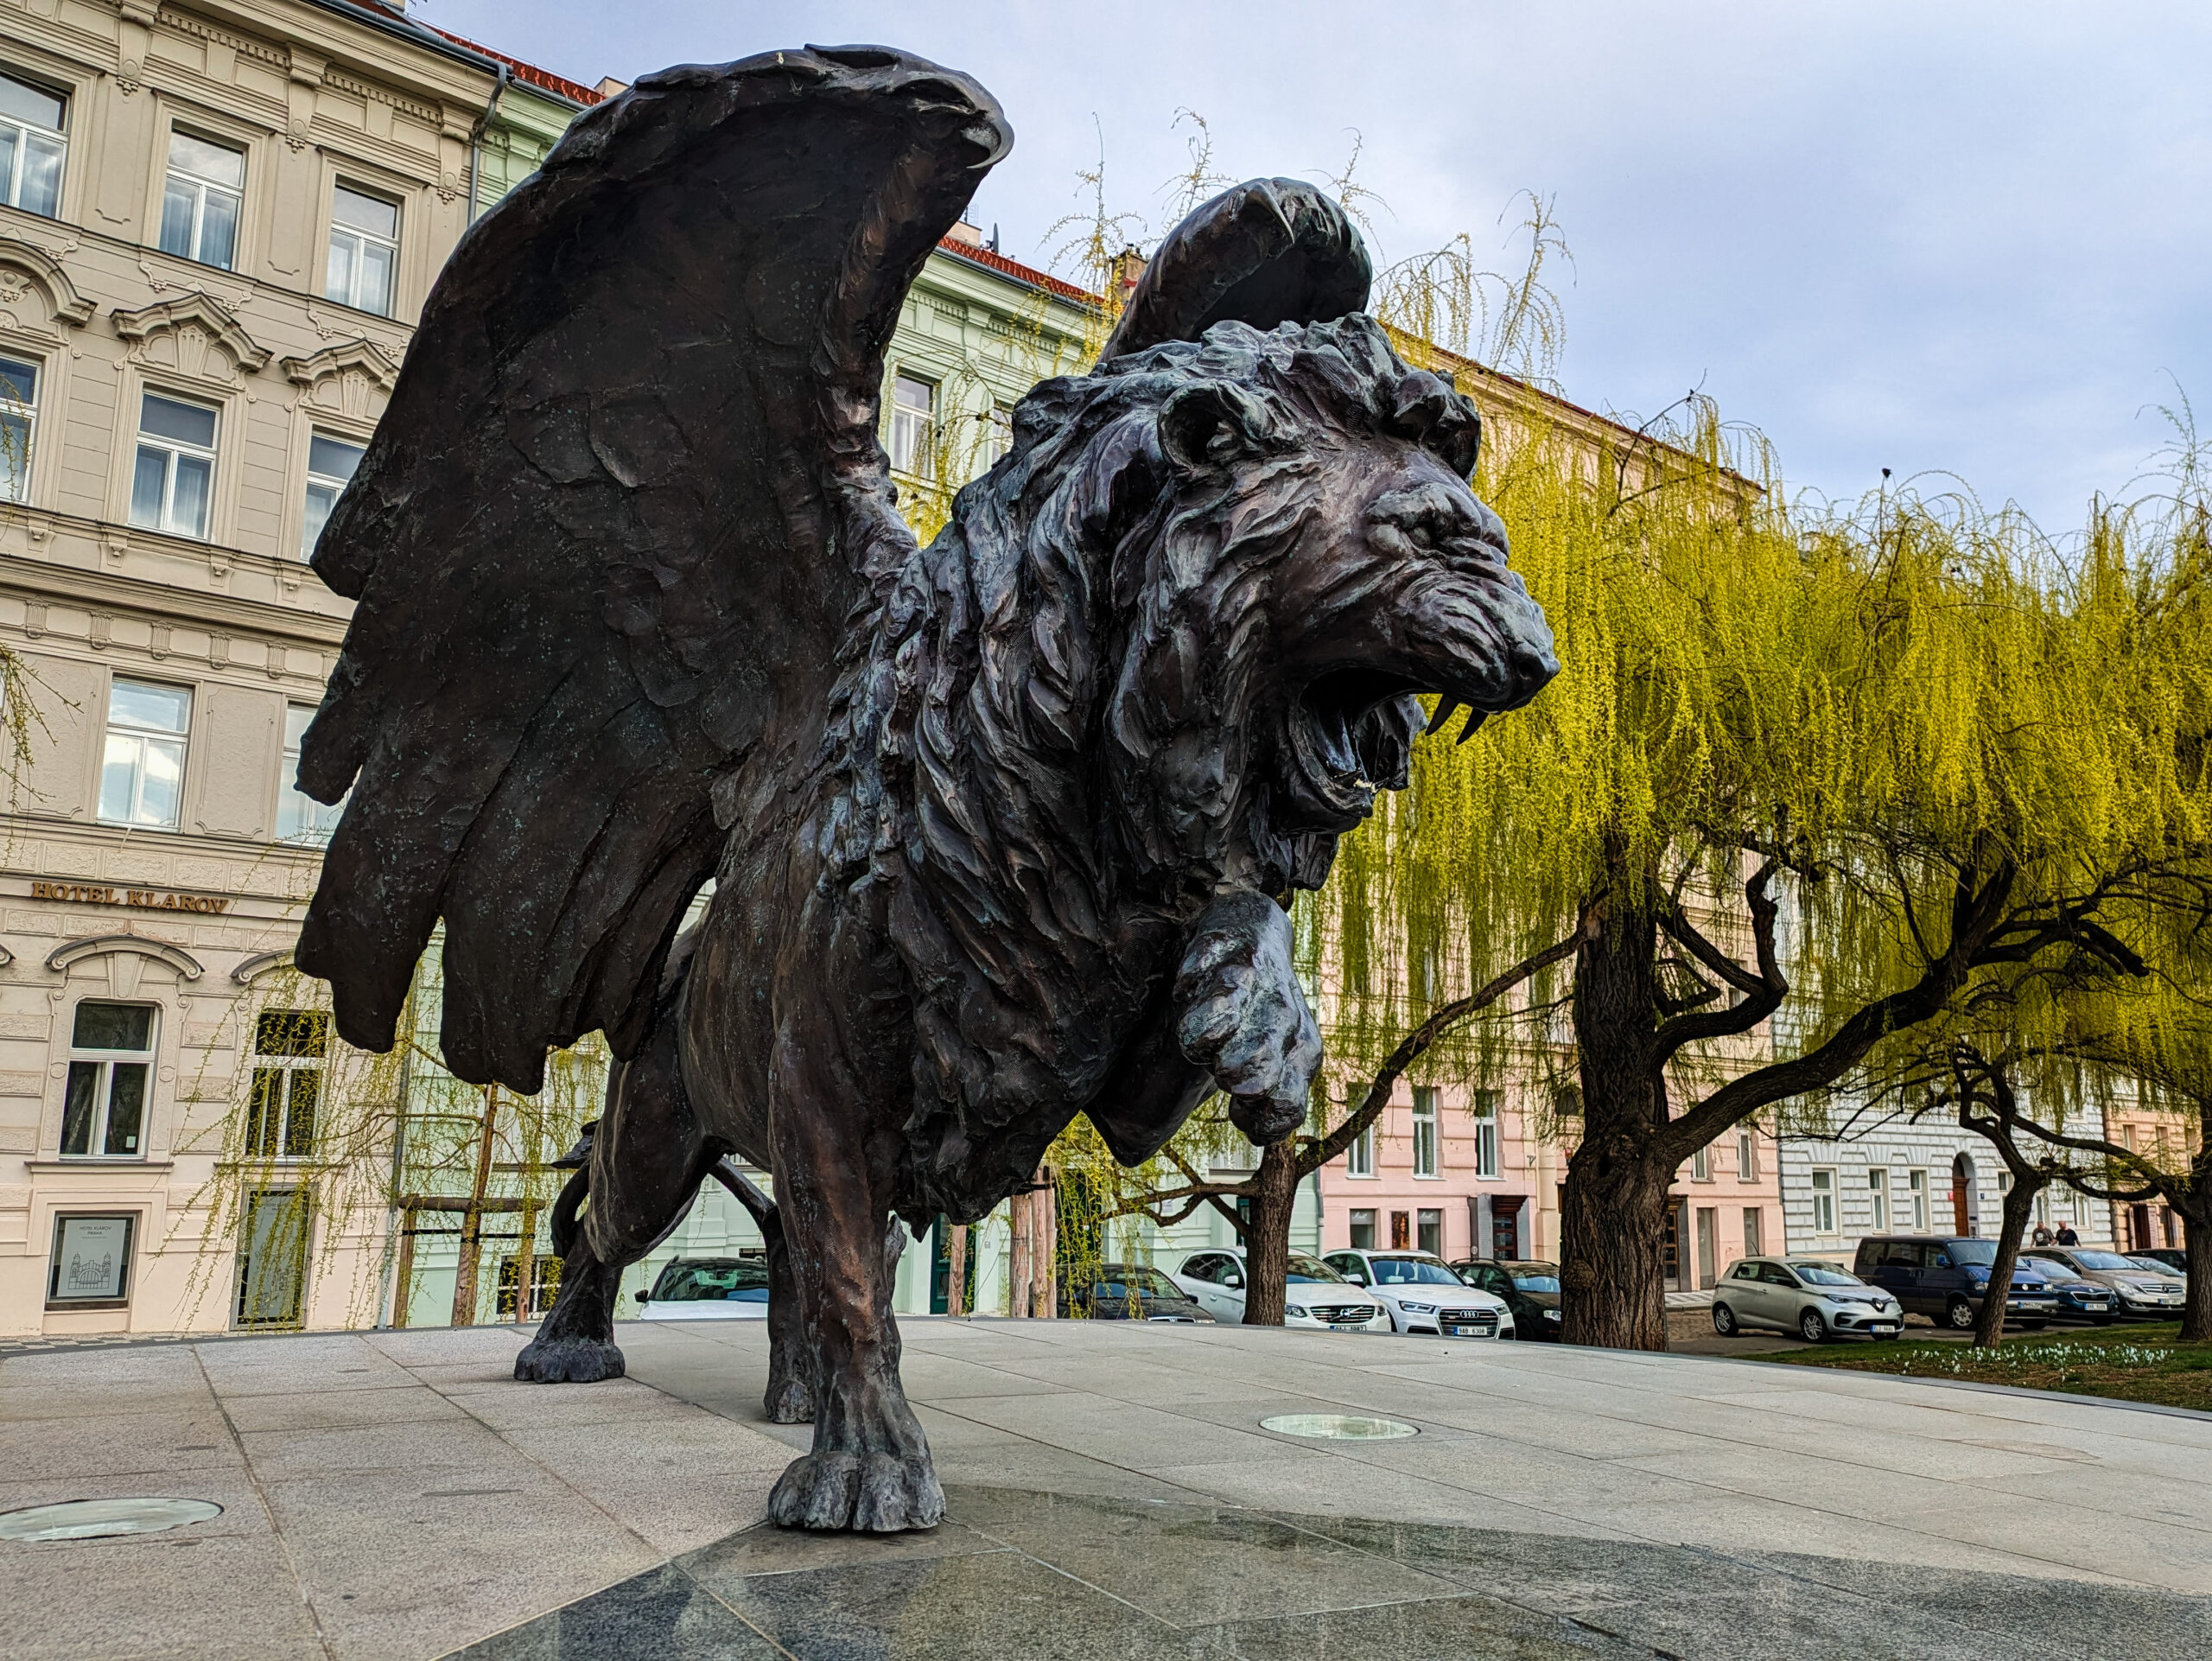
(18, 426)
(998, 437)
(1485, 1105)
(290, 1049)
(1359, 1158)
(1824, 1202)
(364, 250)
(299, 817)
(1916, 1184)
(141, 768)
(1747, 1153)
(913, 410)
(1424, 1130)
(173, 485)
(111, 1063)
(1362, 1230)
(1877, 1199)
(201, 199)
(32, 144)
(1702, 1165)
(331, 462)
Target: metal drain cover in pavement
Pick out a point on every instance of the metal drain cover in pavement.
(96, 1519)
(1341, 1427)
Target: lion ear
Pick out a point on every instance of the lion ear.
(1213, 424)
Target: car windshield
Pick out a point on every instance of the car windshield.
(1824, 1275)
(2103, 1260)
(725, 1280)
(2049, 1267)
(1118, 1283)
(1411, 1271)
(1978, 1254)
(1303, 1268)
(2156, 1267)
(1535, 1277)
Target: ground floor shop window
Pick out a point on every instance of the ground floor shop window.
(1401, 1231)
(1362, 1231)
(544, 1282)
(1430, 1231)
(1754, 1234)
(272, 1259)
(1824, 1202)
(92, 1261)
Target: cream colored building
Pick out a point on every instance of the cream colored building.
(217, 221)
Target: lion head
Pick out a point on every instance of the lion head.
(1165, 649)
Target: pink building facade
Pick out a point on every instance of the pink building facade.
(1473, 1174)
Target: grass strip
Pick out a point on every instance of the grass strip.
(2128, 1363)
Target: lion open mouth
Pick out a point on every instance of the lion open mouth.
(1349, 734)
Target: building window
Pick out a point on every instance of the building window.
(331, 462)
(1916, 1185)
(272, 1259)
(201, 199)
(142, 770)
(998, 436)
(544, 1282)
(364, 250)
(913, 407)
(1566, 1103)
(289, 1048)
(1824, 1202)
(18, 426)
(299, 817)
(1362, 1231)
(174, 482)
(1702, 1165)
(1424, 1130)
(1402, 1231)
(1747, 1153)
(92, 1261)
(1485, 1133)
(1429, 1231)
(110, 1061)
(1359, 1158)
(31, 145)
(1877, 1199)
(1754, 1232)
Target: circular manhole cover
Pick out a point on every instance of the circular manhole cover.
(96, 1519)
(1340, 1426)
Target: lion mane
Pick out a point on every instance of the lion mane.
(1046, 729)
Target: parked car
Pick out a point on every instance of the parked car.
(1529, 1289)
(2078, 1299)
(1317, 1295)
(708, 1289)
(2142, 1292)
(2158, 1265)
(1422, 1294)
(1814, 1299)
(2172, 1256)
(1946, 1277)
(1131, 1292)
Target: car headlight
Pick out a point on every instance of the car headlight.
(1298, 1309)
(1551, 1315)
(1418, 1309)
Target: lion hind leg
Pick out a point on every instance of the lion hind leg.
(789, 1398)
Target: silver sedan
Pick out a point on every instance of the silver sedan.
(1813, 1298)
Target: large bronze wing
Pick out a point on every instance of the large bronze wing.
(607, 539)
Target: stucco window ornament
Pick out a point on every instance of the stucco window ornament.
(35, 293)
(352, 378)
(999, 825)
(194, 336)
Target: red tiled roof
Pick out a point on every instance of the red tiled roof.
(991, 260)
(575, 91)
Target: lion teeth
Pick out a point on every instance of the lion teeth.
(1445, 706)
(1475, 719)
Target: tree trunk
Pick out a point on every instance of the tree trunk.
(956, 1291)
(2196, 1236)
(1614, 1217)
(2019, 1206)
(472, 1223)
(1267, 1237)
(1017, 1265)
(1044, 1249)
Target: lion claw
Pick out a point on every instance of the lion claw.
(874, 1493)
(569, 1361)
(1244, 1018)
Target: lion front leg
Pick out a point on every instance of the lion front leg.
(1242, 1015)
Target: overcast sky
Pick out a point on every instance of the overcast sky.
(1965, 236)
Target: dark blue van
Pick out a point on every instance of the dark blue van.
(1945, 1278)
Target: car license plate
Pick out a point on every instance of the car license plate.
(1456, 1330)
(1347, 1326)
(1881, 1327)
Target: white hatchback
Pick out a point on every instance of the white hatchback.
(1317, 1295)
(1816, 1299)
(1422, 1294)
(708, 1289)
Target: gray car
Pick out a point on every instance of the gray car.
(2140, 1292)
(1810, 1296)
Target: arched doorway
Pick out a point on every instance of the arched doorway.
(1966, 1207)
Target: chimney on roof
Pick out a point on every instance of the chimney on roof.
(609, 88)
(964, 231)
(1128, 267)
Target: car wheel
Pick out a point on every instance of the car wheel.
(1958, 1314)
(1724, 1320)
(2032, 1326)
(1811, 1328)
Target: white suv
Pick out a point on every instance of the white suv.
(1422, 1294)
(1317, 1295)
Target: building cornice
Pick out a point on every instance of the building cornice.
(88, 590)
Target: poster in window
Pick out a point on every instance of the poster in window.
(92, 1260)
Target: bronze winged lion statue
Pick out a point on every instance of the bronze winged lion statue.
(1001, 829)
